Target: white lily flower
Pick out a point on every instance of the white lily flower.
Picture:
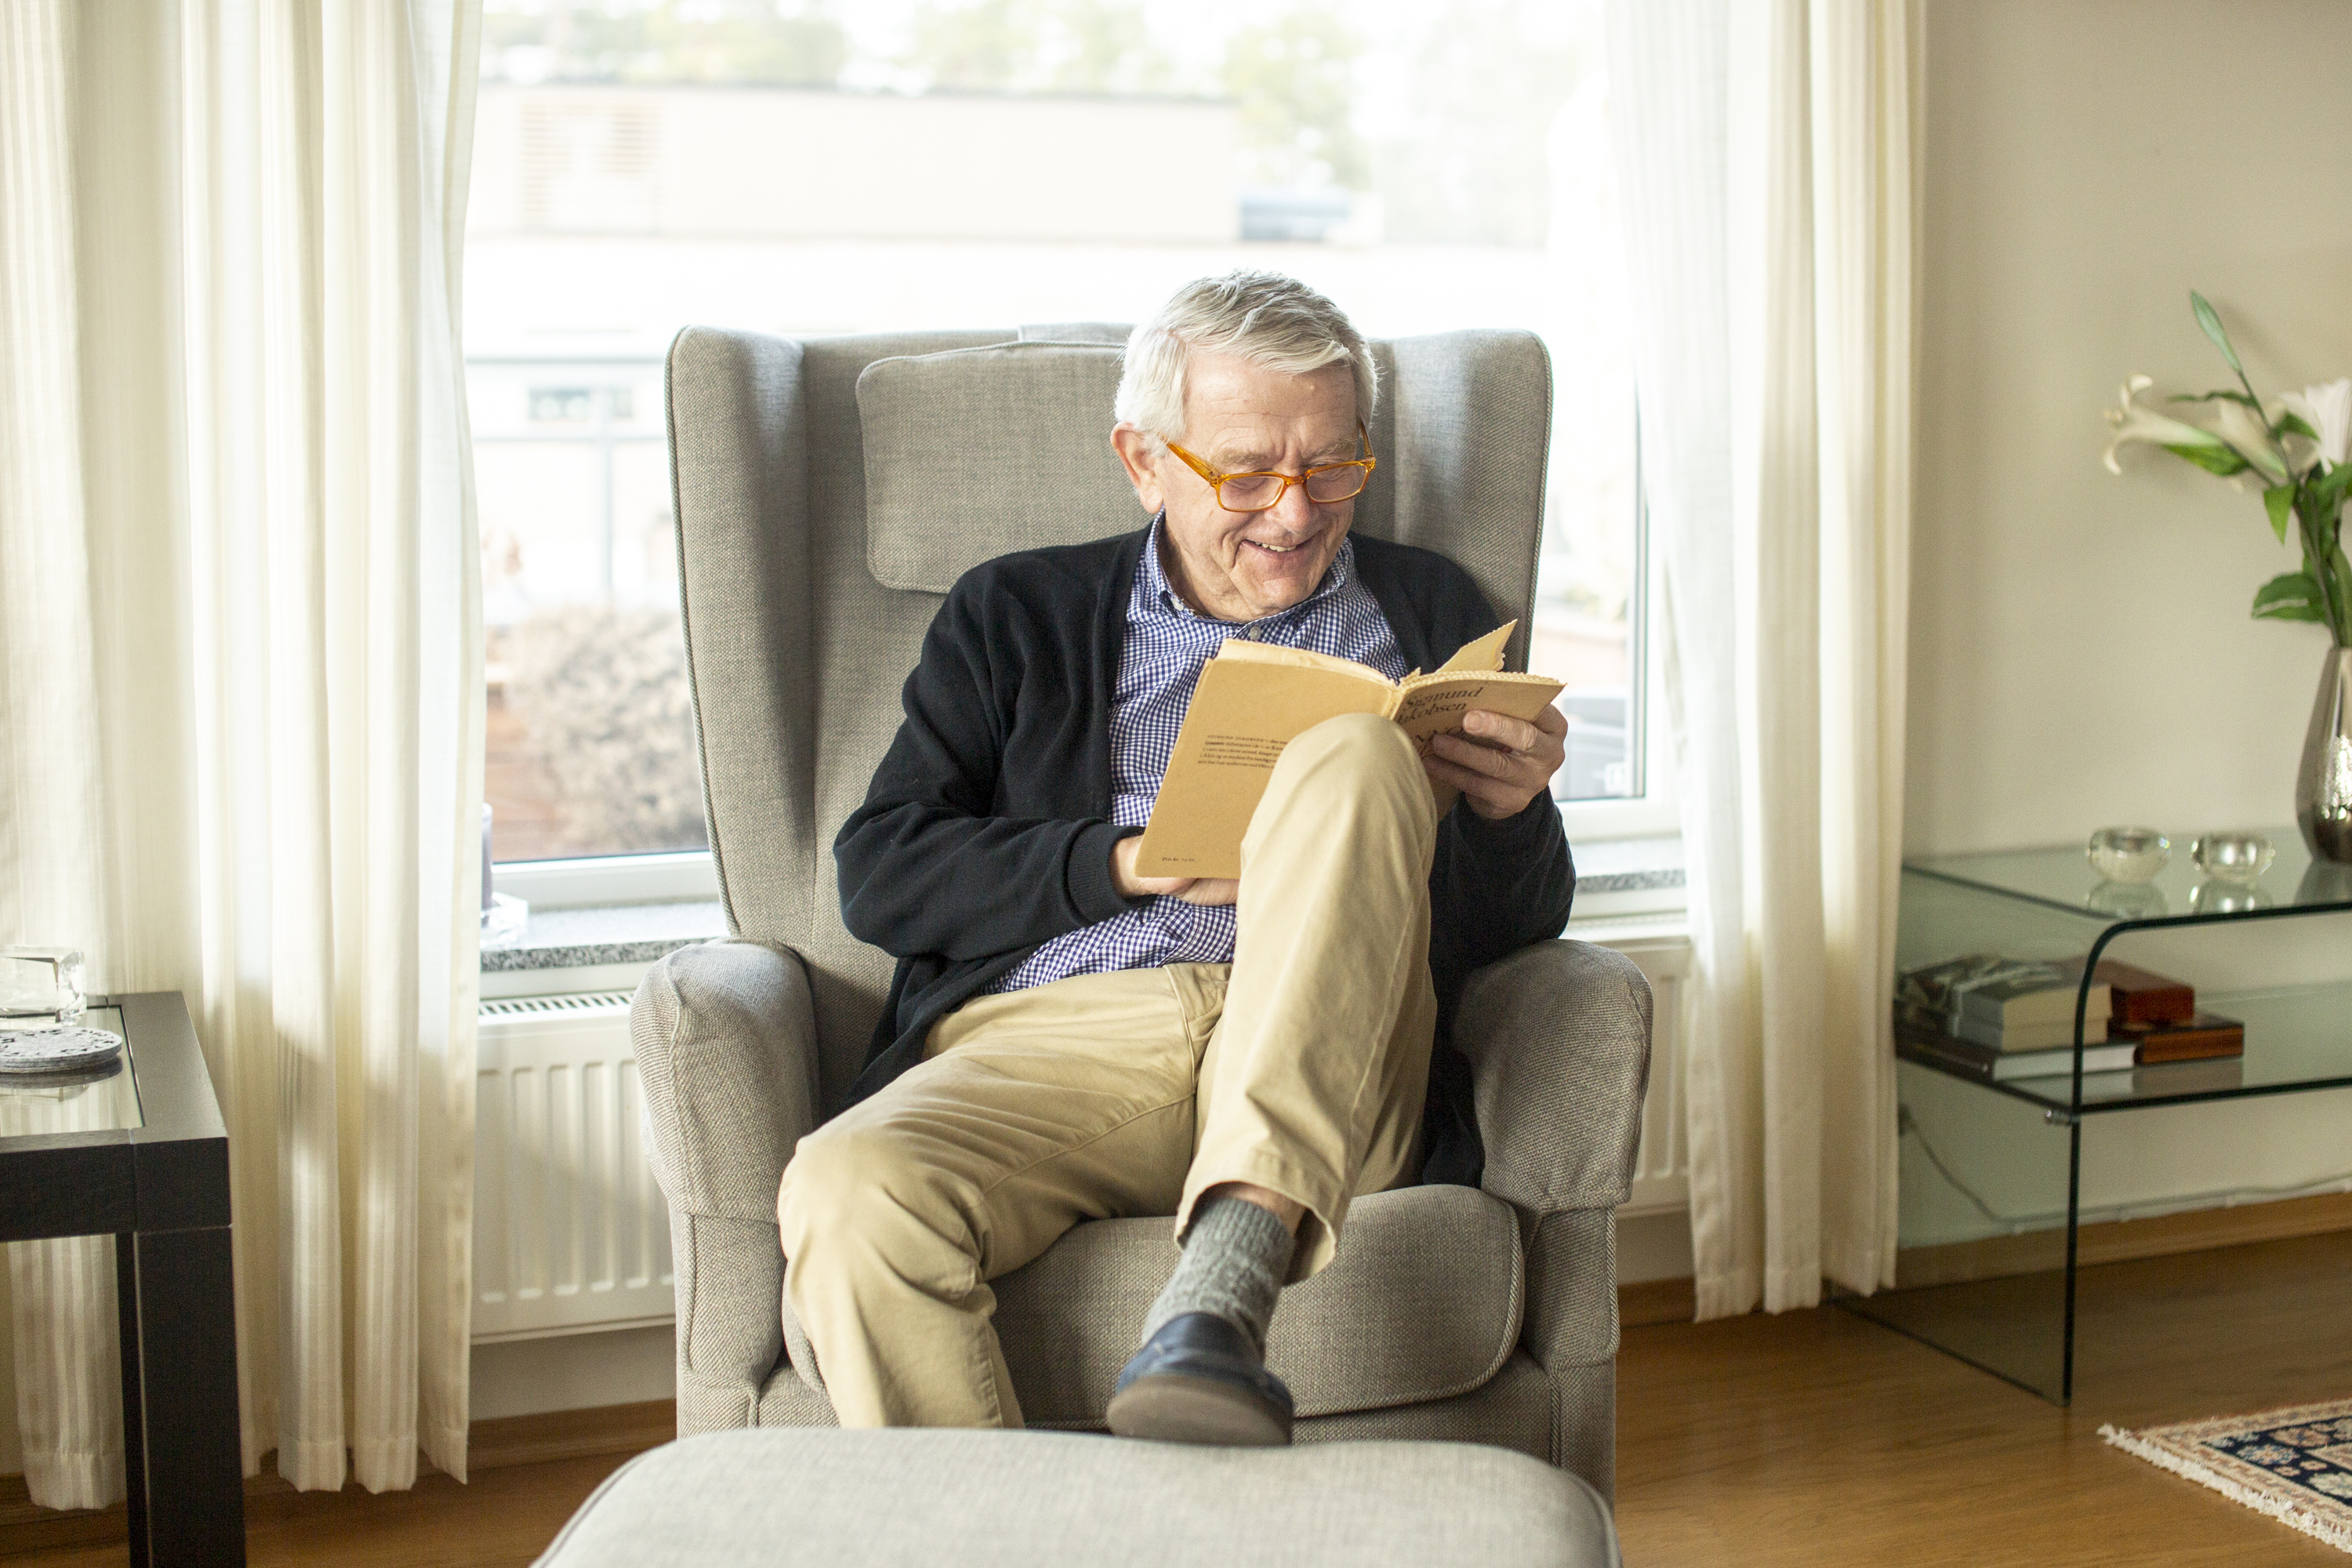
(2135, 421)
(2327, 408)
(2243, 429)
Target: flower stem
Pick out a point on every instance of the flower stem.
(2321, 530)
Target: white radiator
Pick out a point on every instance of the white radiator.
(1662, 1166)
(569, 1230)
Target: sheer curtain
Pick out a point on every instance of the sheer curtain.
(1765, 157)
(240, 685)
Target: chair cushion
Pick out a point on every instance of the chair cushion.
(976, 452)
(979, 1499)
(1422, 1303)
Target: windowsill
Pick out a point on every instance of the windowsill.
(593, 935)
(1628, 864)
(1615, 878)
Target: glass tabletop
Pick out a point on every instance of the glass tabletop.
(2061, 878)
(108, 1101)
(2298, 1037)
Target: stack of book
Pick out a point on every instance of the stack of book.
(2158, 1017)
(1997, 1018)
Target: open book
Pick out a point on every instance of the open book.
(1253, 698)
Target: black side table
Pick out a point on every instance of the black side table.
(148, 1163)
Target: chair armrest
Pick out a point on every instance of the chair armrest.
(726, 1042)
(1557, 1036)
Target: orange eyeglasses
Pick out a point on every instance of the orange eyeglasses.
(1261, 491)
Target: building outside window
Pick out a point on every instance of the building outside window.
(644, 164)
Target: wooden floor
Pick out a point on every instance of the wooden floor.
(1818, 1438)
(1811, 1437)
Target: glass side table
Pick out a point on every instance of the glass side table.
(139, 1152)
(1993, 1172)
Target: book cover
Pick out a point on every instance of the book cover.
(2199, 1038)
(2004, 994)
(2140, 997)
(1992, 1066)
(2027, 1037)
(1252, 699)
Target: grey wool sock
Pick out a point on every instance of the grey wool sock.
(1236, 1256)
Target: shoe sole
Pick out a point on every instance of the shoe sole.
(1169, 1408)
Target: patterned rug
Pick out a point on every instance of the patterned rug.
(2294, 1465)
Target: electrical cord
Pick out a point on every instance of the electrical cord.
(1907, 1124)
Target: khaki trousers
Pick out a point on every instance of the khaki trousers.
(1300, 1067)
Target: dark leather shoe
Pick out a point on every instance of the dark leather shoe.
(1199, 1380)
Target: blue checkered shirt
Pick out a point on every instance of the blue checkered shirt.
(1166, 646)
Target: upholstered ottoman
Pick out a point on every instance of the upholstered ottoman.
(1017, 1499)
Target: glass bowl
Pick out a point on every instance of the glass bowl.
(2129, 853)
(2128, 901)
(2239, 858)
(2219, 897)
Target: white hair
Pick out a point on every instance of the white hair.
(1261, 317)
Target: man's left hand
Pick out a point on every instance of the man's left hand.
(1508, 764)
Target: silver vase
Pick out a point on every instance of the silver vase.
(2323, 785)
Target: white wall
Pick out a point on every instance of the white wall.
(2081, 652)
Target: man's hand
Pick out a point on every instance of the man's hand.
(1191, 889)
(1500, 782)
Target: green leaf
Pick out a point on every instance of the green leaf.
(2332, 486)
(2293, 425)
(2220, 460)
(2211, 322)
(2279, 501)
(2225, 395)
(2290, 596)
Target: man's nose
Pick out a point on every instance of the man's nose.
(1294, 511)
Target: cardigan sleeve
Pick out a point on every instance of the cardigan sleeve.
(1494, 887)
(925, 866)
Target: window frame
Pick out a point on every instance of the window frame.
(1656, 810)
(597, 881)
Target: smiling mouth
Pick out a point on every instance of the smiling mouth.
(1278, 549)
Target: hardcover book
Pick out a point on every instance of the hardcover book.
(2009, 1003)
(1995, 1066)
(2139, 996)
(2199, 1038)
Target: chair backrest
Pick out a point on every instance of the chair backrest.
(804, 614)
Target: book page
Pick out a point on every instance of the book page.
(1484, 653)
(1250, 652)
(1434, 704)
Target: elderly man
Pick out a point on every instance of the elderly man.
(1067, 1040)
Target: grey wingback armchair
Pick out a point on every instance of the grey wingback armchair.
(828, 492)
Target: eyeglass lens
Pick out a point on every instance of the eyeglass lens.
(1254, 493)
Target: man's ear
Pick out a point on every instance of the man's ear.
(1136, 455)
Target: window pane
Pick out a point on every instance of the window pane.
(590, 731)
(793, 168)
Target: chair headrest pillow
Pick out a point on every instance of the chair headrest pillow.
(975, 452)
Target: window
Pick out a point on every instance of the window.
(794, 168)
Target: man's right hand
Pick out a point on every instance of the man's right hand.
(1191, 889)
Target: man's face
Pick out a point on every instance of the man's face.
(1238, 418)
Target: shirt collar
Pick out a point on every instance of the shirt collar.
(1153, 593)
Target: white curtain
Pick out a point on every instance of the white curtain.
(241, 668)
(1764, 154)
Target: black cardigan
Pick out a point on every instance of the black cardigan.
(987, 830)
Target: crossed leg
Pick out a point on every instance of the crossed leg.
(1301, 1071)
